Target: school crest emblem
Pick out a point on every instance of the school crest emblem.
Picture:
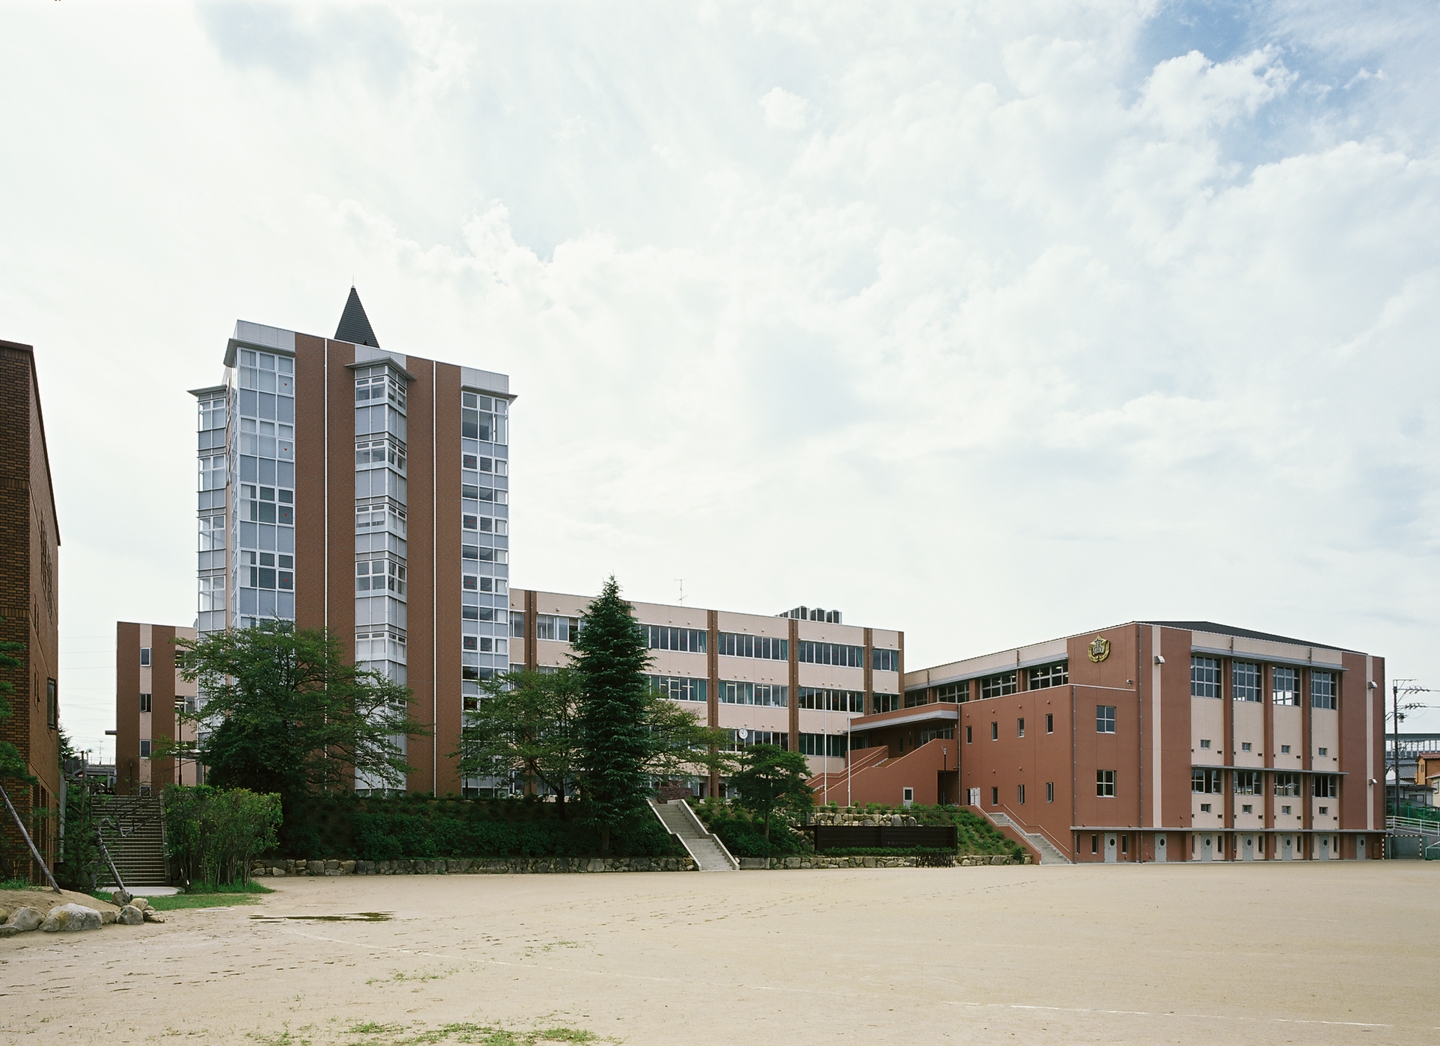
(1099, 649)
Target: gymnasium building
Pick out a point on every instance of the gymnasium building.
(1147, 741)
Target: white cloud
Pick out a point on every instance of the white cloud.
(784, 110)
(1018, 336)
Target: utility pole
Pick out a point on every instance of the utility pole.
(1407, 687)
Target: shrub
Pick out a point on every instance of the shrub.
(211, 834)
(743, 836)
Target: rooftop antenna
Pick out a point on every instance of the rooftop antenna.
(682, 590)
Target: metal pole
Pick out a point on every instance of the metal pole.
(28, 841)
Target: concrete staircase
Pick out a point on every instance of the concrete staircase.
(1049, 854)
(708, 851)
(134, 833)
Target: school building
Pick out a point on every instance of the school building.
(1147, 741)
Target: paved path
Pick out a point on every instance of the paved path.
(1197, 954)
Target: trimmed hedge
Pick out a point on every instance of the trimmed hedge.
(745, 837)
(422, 827)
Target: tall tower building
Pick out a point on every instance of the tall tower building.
(364, 491)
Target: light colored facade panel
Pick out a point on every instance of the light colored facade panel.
(1289, 726)
(1249, 729)
(753, 624)
(754, 670)
(559, 604)
(674, 616)
(681, 663)
(753, 717)
(1325, 733)
(813, 721)
(829, 632)
(1207, 723)
(885, 682)
(833, 676)
(885, 639)
(1214, 818)
(485, 380)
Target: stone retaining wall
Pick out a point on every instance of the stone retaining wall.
(820, 861)
(471, 866)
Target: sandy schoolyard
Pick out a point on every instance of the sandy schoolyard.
(1245, 953)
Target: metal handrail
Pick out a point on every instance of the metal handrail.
(705, 833)
(1065, 851)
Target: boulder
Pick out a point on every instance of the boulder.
(8, 931)
(26, 919)
(130, 916)
(140, 902)
(152, 916)
(4, 915)
(68, 918)
(120, 897)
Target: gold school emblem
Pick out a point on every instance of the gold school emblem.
(1099, 649)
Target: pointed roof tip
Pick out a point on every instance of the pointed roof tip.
(354, 324)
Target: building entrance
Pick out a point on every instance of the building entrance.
(1207, 848)
(1323, 849)
(1111, 854)
(1160, 849)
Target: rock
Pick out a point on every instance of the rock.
(4, 915)
(26, 919)
(997, 859)
(69, 918)
(140, 902)
(130, 916)
(8, 931)
(108, 916)
(120, 897)
(152, 916)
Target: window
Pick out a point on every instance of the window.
(1285, 809)
(1322, 690)
(144, 702)
(144, 748)
(1285, 687)
(470, 583)
(1049, 791)
(1049, 722)
(994, 797)
(1020, 727)
(470, 642)
(372, 574)
(739, 693)
(144, 657)
(736, 644)
(1094, 844)
(1247, 782)
(998, 686)
(1245, 681)
(1325, 786)
(1322, 751)
(887, 702)
(379, 384)
(52, 705)
(1204, 808)
(678, 688)
(831, 654)
(994, 731)
(477, 421)
(885, 660)
(1247, 808)
(1324, 809)
(1105, 784)
(1041, 676)
(822, 744)
(1244, 746)
(1206, 782)
(832, 700)
(1124, 844)
(558, 629)
(969, 736)
(1205, 742)
(916, 698)
(663, 637)
(1104, 719)
(939, 733)
(953, 693)
(517, 624)
(1020, 794)
(1204, 676)
(1284, 749)
(380, 452)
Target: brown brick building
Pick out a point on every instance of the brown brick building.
(150, 696)
(29, 595)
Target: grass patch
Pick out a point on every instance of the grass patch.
(373, 1034)
(17, 884)
(236, 887)
(178, 901)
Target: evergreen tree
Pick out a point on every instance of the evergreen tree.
(771, 780)
(615, 746)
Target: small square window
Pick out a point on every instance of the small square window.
(1247, 808)
(1324, 809)
(468, 461)
(1105, 784)
(144, 702)
(470, 642)
(1284, 749)
(470, 582)
(1204, 808)
(1104, 719)
(144, 657)
(1245, 746)
(1324, 751)
(1205, 742)
(1285, 809)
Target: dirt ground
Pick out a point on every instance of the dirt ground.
(43, 900)
(1248, 953)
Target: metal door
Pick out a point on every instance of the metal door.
(1360, 848)
(1287, 848)
(1247, 848)
(1110, 854)
(1160, 849)
(1324, 853)
(1207, 848)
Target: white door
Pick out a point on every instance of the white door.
(1247, 848)
(1110, 854)
(1287, 848)
(975, 797)
(1323, 852)
(1160, 849)
(1360, 848)
(1207, 848)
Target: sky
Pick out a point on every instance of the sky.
(991, 322)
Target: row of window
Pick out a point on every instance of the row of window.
(374, 384)
(1246, 677)
(483, 554)
(484, 524)
(737, 693)
(267, 406)
(267, 570)
(812, 653)
(678, 688)
(484, 645)
(664, 637)
(1251, 782)
(1001, 684)
(378, 573)
(739, 644)
(828, 700)
(885, 660)
(560, 629)
(834, 745)
(480, 463)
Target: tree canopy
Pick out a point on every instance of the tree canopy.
(285, 712)
(527, 723)
(771, 780)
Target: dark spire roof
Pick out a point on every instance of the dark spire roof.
(354, 324)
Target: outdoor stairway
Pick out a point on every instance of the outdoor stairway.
(708, 851)
(135, 836)
(1049, 853)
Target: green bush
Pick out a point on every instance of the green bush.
(211, 834)
(409, 827)
(745, 837)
